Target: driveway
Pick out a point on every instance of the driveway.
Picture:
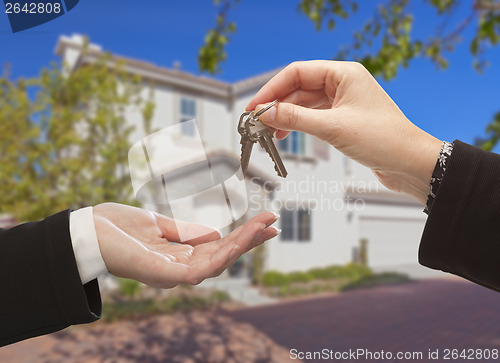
(415, 317)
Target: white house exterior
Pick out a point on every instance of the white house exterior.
(328, 203)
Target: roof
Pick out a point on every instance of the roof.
(175, 77)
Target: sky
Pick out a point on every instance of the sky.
(453, 104)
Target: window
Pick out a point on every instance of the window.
(188, 112)
(295, 225)
(293, 144)
(287, 225)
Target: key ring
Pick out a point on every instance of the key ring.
(257, 114)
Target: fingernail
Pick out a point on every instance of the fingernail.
(267, 117)
(219, 232)
(276, 214)
(278, 231)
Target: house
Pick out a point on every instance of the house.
(332, 209)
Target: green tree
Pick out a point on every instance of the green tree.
(64, 138)
(387, 40)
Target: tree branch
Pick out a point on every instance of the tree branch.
(487, 5)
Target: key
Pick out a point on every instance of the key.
(257, 131)
(246, 143)
(252, 130)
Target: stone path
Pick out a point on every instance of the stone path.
(240, 290)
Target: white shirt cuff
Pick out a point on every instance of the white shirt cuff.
(85, 244)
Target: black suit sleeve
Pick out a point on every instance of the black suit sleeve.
(41, 290)
(462, 233)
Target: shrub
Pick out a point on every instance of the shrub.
(275, 278)
(354, 271)
(297, 291)
(329, 272)
(219, 297)
(284, 291)
(301, 277)
(139, 308)
(323, 288)
(129, 287)
(127, 310)
(385, 278)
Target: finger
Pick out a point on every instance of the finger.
(231, 247)
(243, 242)
(267, 234)
(288, 117)
(227, 255)
(266, 218)
(309, 99)
(309, 76)
(282, 134)
(185, 232)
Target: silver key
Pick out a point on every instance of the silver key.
(252, 130)
(258, 131)
(246, 143)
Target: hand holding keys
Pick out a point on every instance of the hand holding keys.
(252, 130)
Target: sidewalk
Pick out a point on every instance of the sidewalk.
(239, 289)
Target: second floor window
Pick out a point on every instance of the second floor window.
(293, 144)
(188, 112)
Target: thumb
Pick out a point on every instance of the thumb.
(291, 117)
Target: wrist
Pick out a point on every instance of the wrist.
(423, 152)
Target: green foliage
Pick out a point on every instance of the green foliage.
(385, 278)
(330, 272)
(64, 138)
(355, 271)
(488, 34)
(351, 271)
(212, 53)
(492, 134)
(386, 41)
(301, 277)
(128, 310)
(275, 278)
(128, 287)
(330, 279)
(320, 11)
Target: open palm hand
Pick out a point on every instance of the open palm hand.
(137, 244)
